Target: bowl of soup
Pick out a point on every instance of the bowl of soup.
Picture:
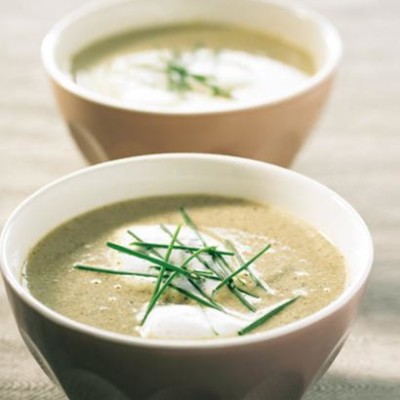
(185, 276)
(238, 77)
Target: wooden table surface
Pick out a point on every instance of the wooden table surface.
(355, 150)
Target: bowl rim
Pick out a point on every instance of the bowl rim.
(49, 44)
(222, 343)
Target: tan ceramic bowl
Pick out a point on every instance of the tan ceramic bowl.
(268, 131)
(92, 364)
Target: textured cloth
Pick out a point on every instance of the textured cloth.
(355, 150)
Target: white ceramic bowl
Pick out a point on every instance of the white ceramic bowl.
(270, 131)
(89, 363)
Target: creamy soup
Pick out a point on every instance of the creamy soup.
(193, 67)
(185, 267)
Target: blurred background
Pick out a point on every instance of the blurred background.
(355, 149)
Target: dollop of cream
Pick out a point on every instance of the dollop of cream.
(190, 322)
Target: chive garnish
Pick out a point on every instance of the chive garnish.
(197, 298)
(141, 255)
(190, 223)
(146, 257)
(166, 272)
(201, 259)
(258, 281)
(191, 280)
(197, 253)
(157, 295)
(113, 271)
(241, 298)
(218, 259)
(180, 79)
(260, 321)
(160, 278)
(235, 291)
(246, 292)
(161, 290)
(199, 272)
(150, 245)
(198, 287)
(242, 268)
(145, 275)
(151, 250)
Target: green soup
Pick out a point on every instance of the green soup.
(192, 67)
(216, 267)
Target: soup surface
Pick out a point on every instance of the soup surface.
(202, 267)
(192, 67)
